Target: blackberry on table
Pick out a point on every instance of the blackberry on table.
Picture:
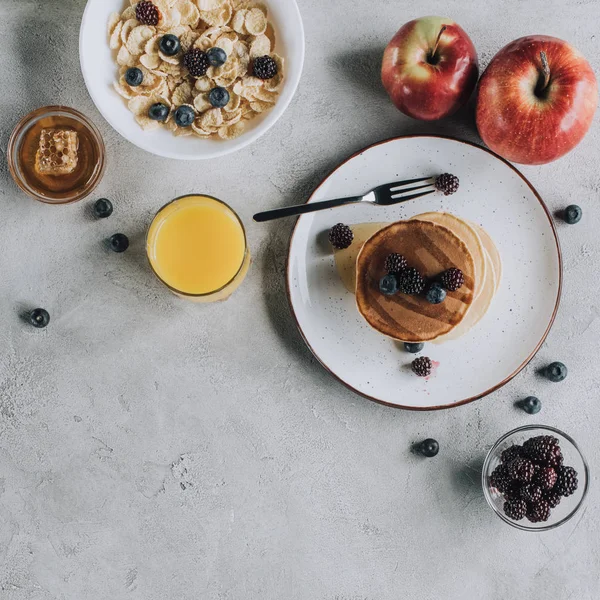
(147, 13)
(566, 481)
(410, 281)
(341, 236)
(515, 509)
(521, 469)
(422, 366)
(538, 512)
(395, 263)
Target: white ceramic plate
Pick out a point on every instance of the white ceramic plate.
(99, 70)
(492, 193)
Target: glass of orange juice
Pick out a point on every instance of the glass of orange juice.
(197, 247)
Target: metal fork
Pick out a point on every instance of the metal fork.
(383, 195)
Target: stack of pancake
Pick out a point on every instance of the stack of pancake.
(432, 243)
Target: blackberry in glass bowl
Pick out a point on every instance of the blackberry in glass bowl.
(558, 469)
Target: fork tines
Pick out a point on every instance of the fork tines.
(400, 186)
(397, 192)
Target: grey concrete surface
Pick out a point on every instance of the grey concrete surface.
(156, 450)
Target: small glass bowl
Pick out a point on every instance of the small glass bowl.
(572, 457)
(92, 149)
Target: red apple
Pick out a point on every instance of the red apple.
(430, 68)
(536, 101)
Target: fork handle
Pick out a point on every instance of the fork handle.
(300, 209)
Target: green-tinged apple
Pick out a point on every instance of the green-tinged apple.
(536, 100)
(430, 68)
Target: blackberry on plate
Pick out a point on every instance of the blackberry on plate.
(169, 44)
(429, 447)
(552, 498)
(184, 116)
(556, 372)
(566, 481)
(219, 97)
(515, 509)
(264, 67)
(388, 285)
(511, 453)
(340, 236)
(543, 449)
(39, 318)
(531, 405)
(452, 279)
(572, 214)
(546, 478)
(395, 263)
(538, 512)
(119, 242)
(216, 56)
(446, 183)
(414, 347)
(521, 469)
(531, 492)
(134, 77)
(158, 112)
(410, 281)
(103, 208)
(422, 366)
(196, 62)
(147, 13)
(435, 293)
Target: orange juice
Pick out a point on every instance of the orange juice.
(197, 247)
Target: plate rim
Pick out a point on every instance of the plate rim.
(251, 136)
(521, 366)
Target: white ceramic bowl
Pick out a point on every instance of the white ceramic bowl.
(99, 71)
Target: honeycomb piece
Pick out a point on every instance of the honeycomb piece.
(57, 153)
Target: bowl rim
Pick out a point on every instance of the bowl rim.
(491, 452)
(242, 142)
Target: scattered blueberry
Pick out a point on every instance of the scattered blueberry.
(119, 242)
(169, 44)
(158, 112)
(218, 97)
(134, 76)
(216, 57)
(184, 116)
(39, 318)
(414, 348)
(103, 208)
(556, 372)
(429, 448)
(388, 285)
(573, 214)
(435, 293)
(531, 405)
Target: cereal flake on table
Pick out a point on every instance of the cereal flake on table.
(158, 79)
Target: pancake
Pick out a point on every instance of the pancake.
(469, 236)
(492, 250)
(430, 248)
